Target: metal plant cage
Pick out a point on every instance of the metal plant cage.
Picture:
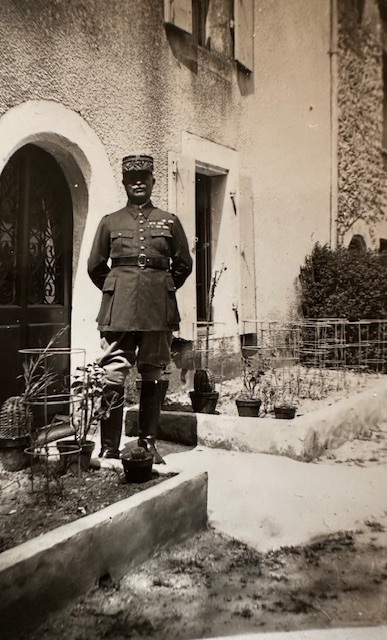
(342, 344)
(322, 342)
(210, 347)
(52, 410)
(309, 358)
(55, 366)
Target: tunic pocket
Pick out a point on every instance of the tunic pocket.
(121, 243)
(173, 316)
(160, 239)
(105, 312)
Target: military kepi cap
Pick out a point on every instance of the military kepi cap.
(138, 162)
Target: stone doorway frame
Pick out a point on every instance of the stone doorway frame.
(72, 142)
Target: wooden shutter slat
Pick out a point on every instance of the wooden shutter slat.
(179, 13)
(244, 33)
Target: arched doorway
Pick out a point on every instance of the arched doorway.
(36, 220)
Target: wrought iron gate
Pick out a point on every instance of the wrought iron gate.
(35, 258)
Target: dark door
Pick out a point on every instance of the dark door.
(35, 259)
(203, 247)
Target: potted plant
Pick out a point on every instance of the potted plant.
(137, 464)
(17, 429)
(269, 393)
(248, 402)
(284, 407)
(90, 403)
(285, 411)
(204, 397)
(15, 425)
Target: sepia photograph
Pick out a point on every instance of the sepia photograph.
(193, 319)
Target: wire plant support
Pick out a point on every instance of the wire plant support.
(303, 357)
(209, 348)
(53, 405)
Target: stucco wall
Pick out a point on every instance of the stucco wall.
(139, 86)
(117, 67)
(285, 135)
(111, 63)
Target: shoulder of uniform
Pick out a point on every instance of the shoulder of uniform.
(117, 213)
(171, 217)
(164, 215)
(110, 218)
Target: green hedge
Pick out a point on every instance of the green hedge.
(343, 283)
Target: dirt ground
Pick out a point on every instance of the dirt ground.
(213, 585)
(27, 511)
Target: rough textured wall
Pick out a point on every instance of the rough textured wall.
(111, 62)
(361, 175)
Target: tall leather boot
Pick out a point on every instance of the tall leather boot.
(148, 417)
(164, 388)
(111, 429)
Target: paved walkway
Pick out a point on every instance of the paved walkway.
(272, 501)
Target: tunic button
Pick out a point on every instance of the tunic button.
(142, 238)
(142, 247)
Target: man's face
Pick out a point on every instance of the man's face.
(138, 185)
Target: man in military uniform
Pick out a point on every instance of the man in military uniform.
(139, 258)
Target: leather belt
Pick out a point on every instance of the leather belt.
(142, 261)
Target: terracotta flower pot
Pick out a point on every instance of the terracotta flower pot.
(12, 453)
(204, 401)
(285, 412)
(138, 470)
(71, 451)
(248, 407)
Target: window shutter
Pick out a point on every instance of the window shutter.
(181, 201)
(179, 13)
(243, 33)
(247, 241)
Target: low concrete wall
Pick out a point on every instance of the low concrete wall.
(304, 438)
(42, 575)
(174, 426)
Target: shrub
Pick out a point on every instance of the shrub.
(343, 283)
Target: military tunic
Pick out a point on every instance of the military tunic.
(139, 298)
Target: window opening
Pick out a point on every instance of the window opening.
(199, 17)
(203, 246)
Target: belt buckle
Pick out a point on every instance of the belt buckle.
(141, 260)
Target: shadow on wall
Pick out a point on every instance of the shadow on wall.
(182, 47)
(245, 81)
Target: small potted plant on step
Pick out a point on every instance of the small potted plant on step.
(284, 407)
(137, 464)
(248, 402)
(204, 397)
